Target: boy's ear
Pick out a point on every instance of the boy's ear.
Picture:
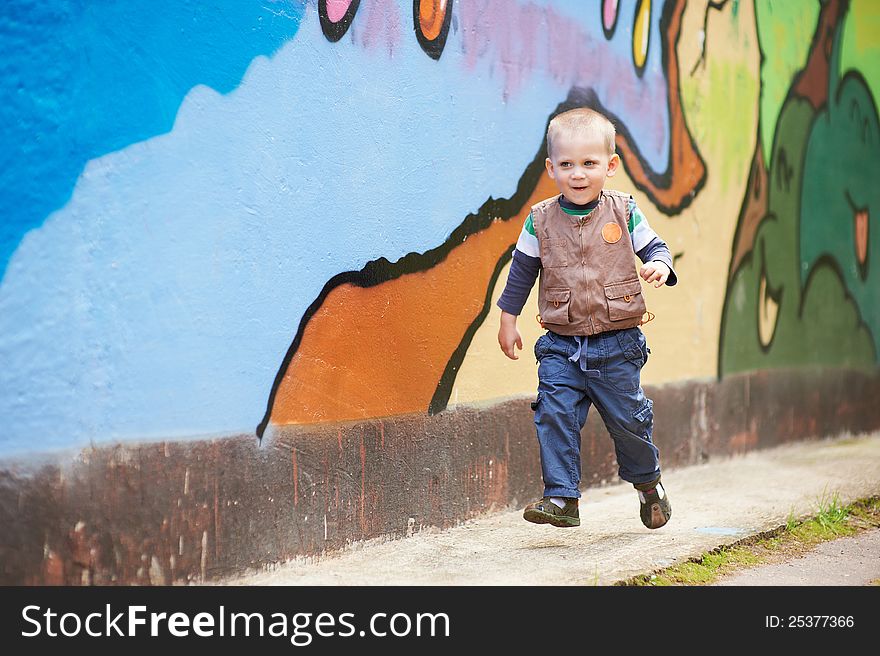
(613, 164)
(549, 165)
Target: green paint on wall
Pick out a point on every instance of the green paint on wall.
(860, 49)
(732, 103)
(775, 316)
(841, 195)
(785, 31)
(728, 104)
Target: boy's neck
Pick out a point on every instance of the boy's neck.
(568, 205)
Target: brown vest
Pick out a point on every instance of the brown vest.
(589, 282)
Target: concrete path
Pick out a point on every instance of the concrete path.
(714, 504)
(853, 560)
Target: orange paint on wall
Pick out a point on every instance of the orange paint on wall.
(378, 351)
(431, 15)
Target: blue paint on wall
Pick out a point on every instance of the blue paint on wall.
(79, 79)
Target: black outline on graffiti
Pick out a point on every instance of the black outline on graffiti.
(440, 400)
(432, 47)
(335, 31)
(702, 58)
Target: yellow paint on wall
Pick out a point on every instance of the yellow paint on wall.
(486, 372)
(641, 31)
(861, 43)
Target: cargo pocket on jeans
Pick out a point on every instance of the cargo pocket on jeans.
(625, 368)
(625, 300)
(643, 413)
(542, 344)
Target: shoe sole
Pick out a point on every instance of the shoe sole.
(538, 517)
(658, 519)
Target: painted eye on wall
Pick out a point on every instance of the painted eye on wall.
(336, 17)
(641, 35)
(431, 19)
(610, 13)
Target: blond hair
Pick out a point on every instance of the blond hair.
(582, 118)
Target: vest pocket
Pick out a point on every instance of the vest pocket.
(553, 253)
(625, 299)
(555, 308)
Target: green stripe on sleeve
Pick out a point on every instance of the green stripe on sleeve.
(635, 216)
(529, 227)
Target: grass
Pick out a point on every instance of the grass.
(831, 520)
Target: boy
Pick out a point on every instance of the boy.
(590, 301)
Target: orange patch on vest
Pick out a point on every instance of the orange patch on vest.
(611, 233)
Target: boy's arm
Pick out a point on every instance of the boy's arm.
(523, 273)
(524, 270)
(520, 280)
(652, 251)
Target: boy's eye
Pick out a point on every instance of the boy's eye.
(565, 165)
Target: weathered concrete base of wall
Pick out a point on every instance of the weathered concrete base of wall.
(178, 512)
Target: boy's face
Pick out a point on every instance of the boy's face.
(579, 164)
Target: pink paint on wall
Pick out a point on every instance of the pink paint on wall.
(518, 35)
(517, 38)
(609, 13)
(382, 26)
(336, 9)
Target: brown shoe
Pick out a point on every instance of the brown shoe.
(547, 512)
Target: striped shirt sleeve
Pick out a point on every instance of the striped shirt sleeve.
(639, 230)
(527, 244)
(524, 270)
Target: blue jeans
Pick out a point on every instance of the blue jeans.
(602, 370)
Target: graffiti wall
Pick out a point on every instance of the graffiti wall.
(224, 219)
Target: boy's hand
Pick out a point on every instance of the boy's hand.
(656, 272)
(508, 336)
